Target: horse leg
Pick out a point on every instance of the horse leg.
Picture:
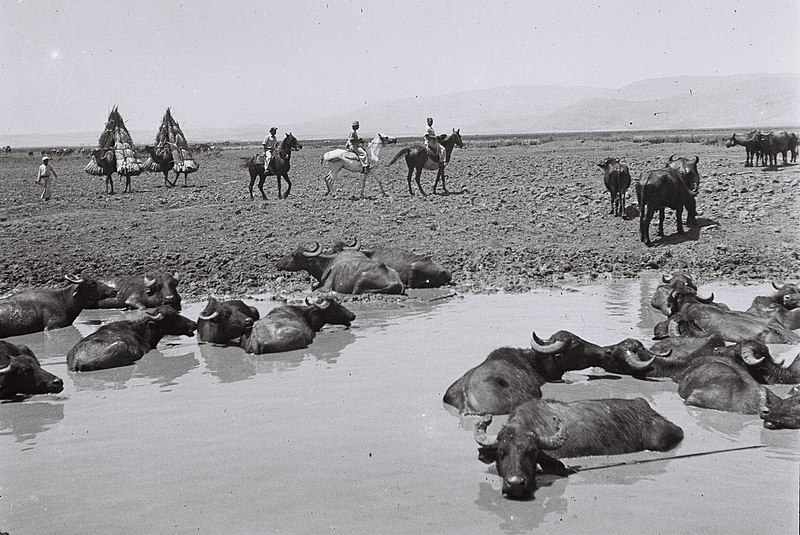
(419, 185)
(252, 181)
(261, 179)
(410, 172)
(288, 185)
(380, 185)
(439, 175)
(327, 180)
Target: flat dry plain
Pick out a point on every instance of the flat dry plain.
(517, 217)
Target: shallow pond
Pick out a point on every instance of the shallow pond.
(351, 436)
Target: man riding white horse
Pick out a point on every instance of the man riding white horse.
(435, 149)
(269, 144)
(354, 144)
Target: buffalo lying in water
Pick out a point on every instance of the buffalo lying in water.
(21, 373)
(510, 376)
(140, 292)
(782, 413)
(539, 432)
(221, 322)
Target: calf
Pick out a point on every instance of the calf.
(617, 178)
(510, 376)
(121, 343)
(42, 309)
(541, 431)
(21, 373)
(782, 413)
(294, 327)
(221, 322)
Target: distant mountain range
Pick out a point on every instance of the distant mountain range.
(688, 102)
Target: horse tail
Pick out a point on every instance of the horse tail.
(397, 156)
(245, 163)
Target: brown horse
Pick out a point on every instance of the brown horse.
(279, 166)
(417, 160)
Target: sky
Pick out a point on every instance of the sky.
(65, 63)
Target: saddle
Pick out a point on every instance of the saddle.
(433, 154)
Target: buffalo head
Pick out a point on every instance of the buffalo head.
(221, 322)
(162, 289)
(782, 413)
(21, 373)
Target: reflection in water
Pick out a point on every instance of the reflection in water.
(25, 420)
(230, 363)
(155, 366)
(524, 516)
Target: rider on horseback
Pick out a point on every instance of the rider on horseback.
(270, 143)
(354, 144)
(435, 150)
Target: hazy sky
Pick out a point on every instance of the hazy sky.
(64, 64)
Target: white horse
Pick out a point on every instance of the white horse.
(338, 159)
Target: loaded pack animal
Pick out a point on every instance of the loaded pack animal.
(140, 292)
(43, 309)
(338, 159)
(106, 160)
(771, 144)
(540, 432)
(751, 145)
(347, 272)
(675, 187)
(417, 159)
(161, 161)
(279, 166)
(221, 322)
(21, 373)
(617, 178)
(121, 343)
(416, 270)
(294, 327)
(510, 376)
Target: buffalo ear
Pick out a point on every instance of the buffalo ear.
(487, 455)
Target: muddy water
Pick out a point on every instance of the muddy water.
(350, 435)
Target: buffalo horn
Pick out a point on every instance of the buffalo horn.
(650, 353)
(211, 317)
(540, 346)
(8, 369)
(777, 287)
(308, 301)
(706, 300)
(322, 304)
(749, 357)
(148, 282)
(484, 440)
(73, 279)
(635, 363)
(672, 157)
(176, 277)
(696, 159)
(154, 317)
(666, 279)
(316, 251)
(554, 441)
(355, 246)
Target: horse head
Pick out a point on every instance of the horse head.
(290, 143)
(385, 140)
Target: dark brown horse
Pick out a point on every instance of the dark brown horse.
(279, 166)
(417, 160)
(106, 161)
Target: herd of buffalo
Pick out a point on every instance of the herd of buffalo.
(717, 357)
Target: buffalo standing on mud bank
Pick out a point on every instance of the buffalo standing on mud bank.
(542, 431)
(346, 272)
(21, 373)
(617, 178)
(511, 376)
(221, 322)
(49, 308)
(673, 188)
(294, 327)
(121, 343)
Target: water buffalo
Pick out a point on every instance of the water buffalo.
(660, 188)
(542, 431)
(42, 309)
(415, 270)
(733, 325)
(784, 306)
(121, 343)
(782, 413)
(771, 144)
(21, 373)
(751, 145)
(510, 376)
(150, 291)
(294, 327)
(221, 322)
(347, 272)
(617, 178)
(676, 281)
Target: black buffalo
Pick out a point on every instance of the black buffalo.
(347, 272)
(771, 144)
(783, 306)
(658, 189)
(42, 309)
(21, 373)
(510, 376)
(617, 178)
(121, 343)
(540, 432)
(141, 292)
(294, 327)
(415, 270)
(221, 322)
(782, 413)
(676, 281)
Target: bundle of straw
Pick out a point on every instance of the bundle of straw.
(170, 139)
(116, 138)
